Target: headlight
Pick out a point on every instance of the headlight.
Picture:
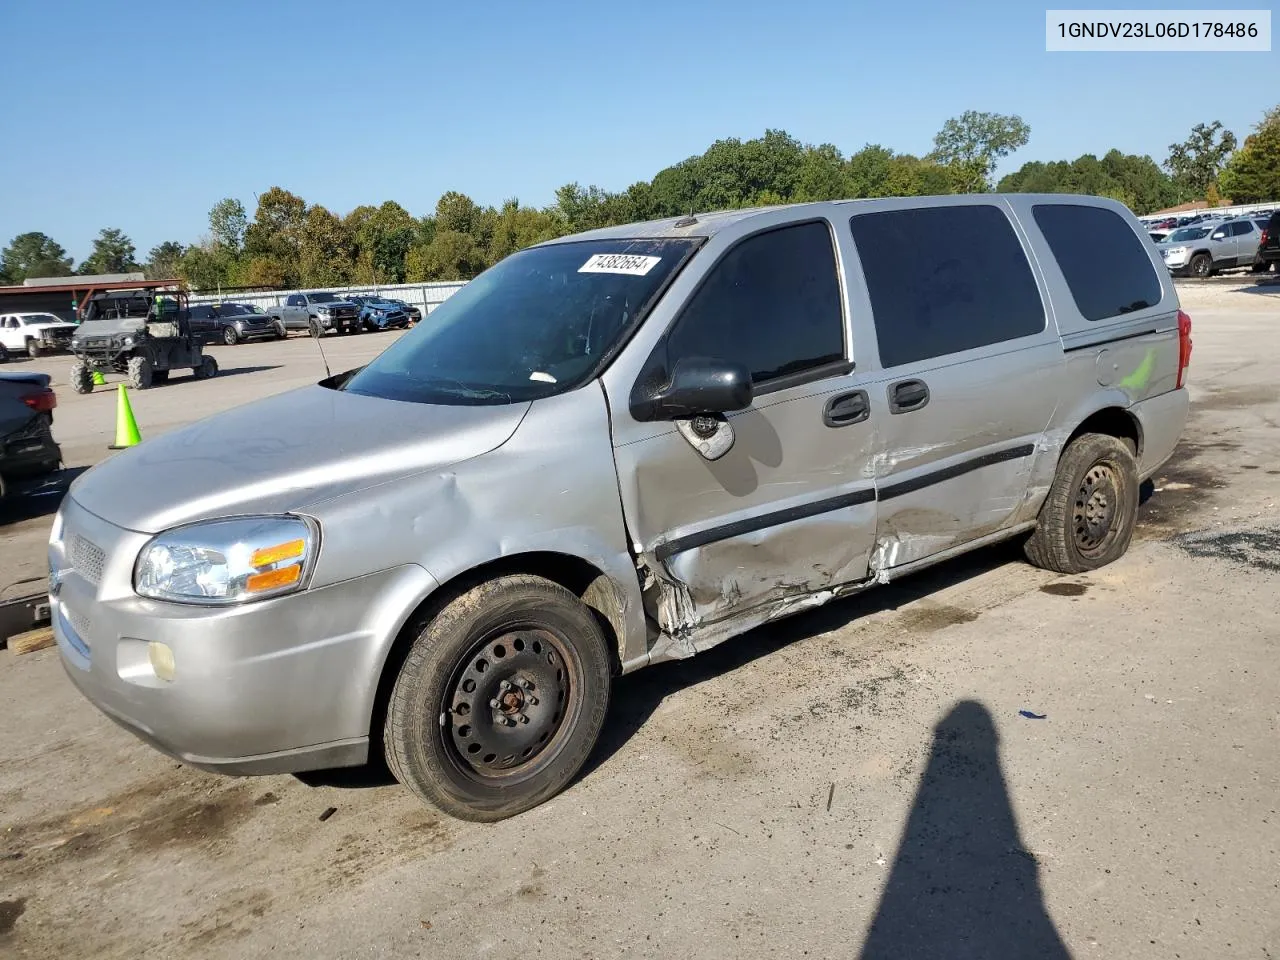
(74, 343)
(227, 561)
(127, 342)
(325, 310)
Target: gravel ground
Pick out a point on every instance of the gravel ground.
(857, 781)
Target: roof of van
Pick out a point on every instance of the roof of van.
(709, 224)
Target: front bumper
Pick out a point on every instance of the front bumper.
(280, 686)
(340, 324)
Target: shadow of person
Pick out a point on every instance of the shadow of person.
(963, 885)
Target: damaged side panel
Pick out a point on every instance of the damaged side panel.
(762, 570)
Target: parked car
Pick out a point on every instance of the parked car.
(234, 322)
(413, 313)
(1268, 245)
(1157, 236)
(27, 447)
(35, 333)
(1205, 248)
(377, 313)
(318, 313)
(611, 450)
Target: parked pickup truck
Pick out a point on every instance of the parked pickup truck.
(34, 333)
(318, 313)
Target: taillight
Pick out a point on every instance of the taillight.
(1262, 240)
(41, 402)
(1184, 347)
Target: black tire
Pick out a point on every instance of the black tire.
(313, 325)
(282, 332)
(207, 370)
(4, 353)
(159, 376)
(33, 349)
(535, 637)
(1201, 266)
(140, 373)
(81, 377)
(1087, 519)
(1259, 266)
(229, 336)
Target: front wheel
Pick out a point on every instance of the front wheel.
(33, 349)
(230, 337)
(1201, 266)
(281, 331)
(1087, 519)
(317, 331)
(139, 372)
(81, 377)
(500, 699)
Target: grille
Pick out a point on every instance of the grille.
(81, 627)
(87, 559)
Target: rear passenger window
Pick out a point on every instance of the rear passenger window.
(1106, 267)
(772, 303)
(945, 279)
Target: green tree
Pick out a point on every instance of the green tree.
(971, 143)
(326, 255)
(1136, 181)
(867, 171)
(451, 255)
(1196, 161)
(113, 252)
(164, 259)
(383, 236)
(227, 224)
(1252, 175)
(207, 266)
(821, 175)
(276, 232)
(33, 255)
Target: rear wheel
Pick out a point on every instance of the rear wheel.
(1201, 266)
(4, 353)
(229, 336)
(1087, 519)
(81, 377)
(500, 699)
(140, 373)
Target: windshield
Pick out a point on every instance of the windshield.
(534, 325)
(1185, 234)
(322, 298)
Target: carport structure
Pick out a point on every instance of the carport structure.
(66, 296)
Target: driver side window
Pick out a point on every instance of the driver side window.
(772, 303)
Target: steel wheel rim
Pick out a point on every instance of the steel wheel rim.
(510, 704)
(1094, 512)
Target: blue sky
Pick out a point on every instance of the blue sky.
(141, 115)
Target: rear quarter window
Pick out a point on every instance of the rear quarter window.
(1107, 269)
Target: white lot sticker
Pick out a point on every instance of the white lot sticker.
(629, 263)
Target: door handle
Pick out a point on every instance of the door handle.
(846, 408)
(908, 395)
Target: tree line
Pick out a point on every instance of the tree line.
(291, 243)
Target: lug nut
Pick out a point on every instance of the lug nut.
(531, 700)
(525, 683)
(504, 686)
(523, 718)
(494, 703)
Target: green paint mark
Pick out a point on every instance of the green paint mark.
(1139, 379)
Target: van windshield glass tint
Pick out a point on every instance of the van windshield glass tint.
(534, 325)
(1104, 262)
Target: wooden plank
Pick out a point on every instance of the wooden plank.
(32, 640)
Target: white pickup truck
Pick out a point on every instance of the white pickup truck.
(317, 313)
(35, 333)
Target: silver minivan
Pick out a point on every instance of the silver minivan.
(611, 450)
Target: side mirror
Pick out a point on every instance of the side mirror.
(1219, 236)
(698, 385)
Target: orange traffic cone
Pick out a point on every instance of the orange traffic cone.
(126, 427)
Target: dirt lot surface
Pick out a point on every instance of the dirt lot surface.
(857, 781)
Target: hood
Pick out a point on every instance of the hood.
(51, 325)
(337, 304)
(111, 326)
(284, 454)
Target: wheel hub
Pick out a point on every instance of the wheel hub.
(507, 702)
(1095, 507)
